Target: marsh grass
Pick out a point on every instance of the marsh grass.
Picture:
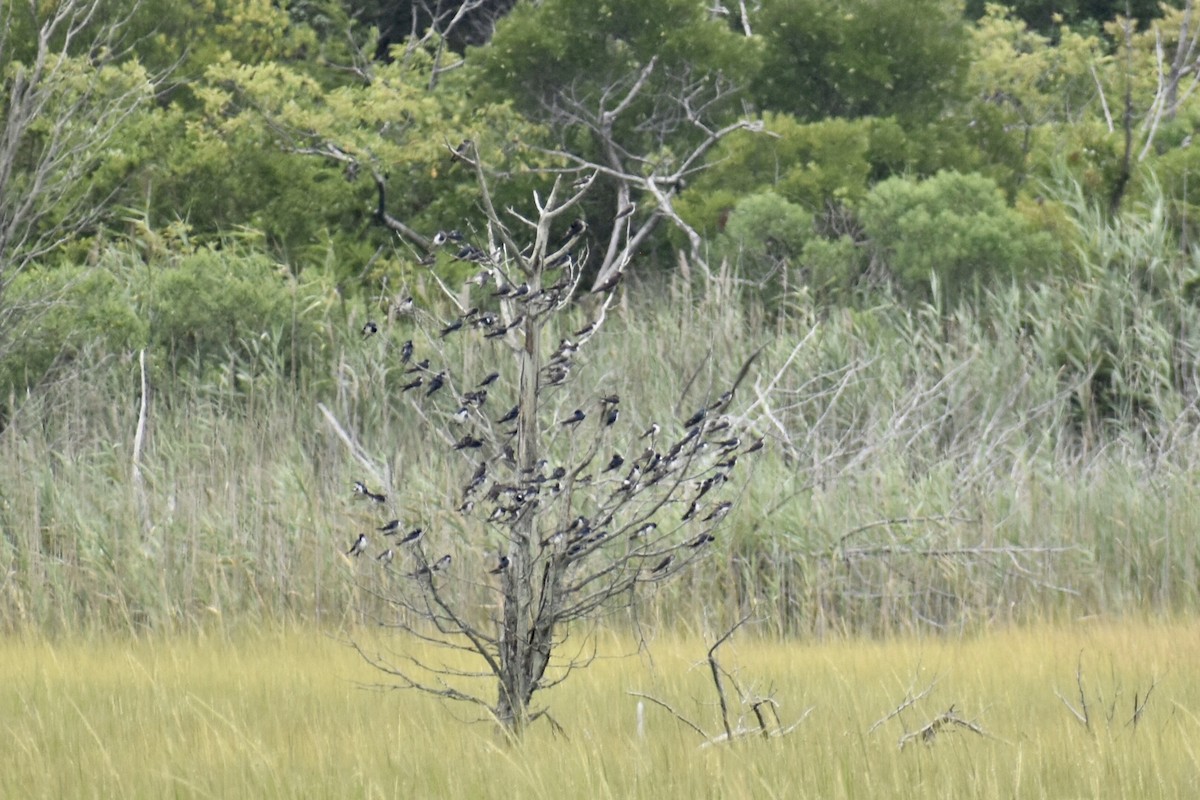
(930, 469)
(283, 714)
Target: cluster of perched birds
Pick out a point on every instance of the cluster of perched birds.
(694, 465)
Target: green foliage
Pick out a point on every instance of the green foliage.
(198, 310)
(953, 229)
(764, 235)
(809, 165)
(860, 58)
(212, 307)
(583, 46)
(58, 314)
(295, 139)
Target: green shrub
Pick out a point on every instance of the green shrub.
(765, 233)
(55, 314)
(954, 229)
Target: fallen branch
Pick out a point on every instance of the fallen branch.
(945, 721)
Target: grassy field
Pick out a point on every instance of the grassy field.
(286, 715)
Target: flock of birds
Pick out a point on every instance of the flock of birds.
(700, 459)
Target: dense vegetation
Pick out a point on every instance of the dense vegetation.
(964, 236)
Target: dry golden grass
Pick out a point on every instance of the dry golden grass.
(283, 715)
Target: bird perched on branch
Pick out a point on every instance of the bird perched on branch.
(361, 488)
(412, 536)
(719, 512)
(369, 329)
(390, 528)
(663, 565)
(643, 530)
(437, 382)
(503, 565)
(360, 544)
(436, 566)
(385, 557)
(575, 418)
(577, 227)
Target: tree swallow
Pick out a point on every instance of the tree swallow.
(503, 565)
(436, 566)
(412, 536)
(719, 512)
(436, 383)
(369, 329)
(575, 418)
(360, 544)
(662, 565)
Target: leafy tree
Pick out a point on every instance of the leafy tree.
(1046, 18)
(860, 58)
(378, 150)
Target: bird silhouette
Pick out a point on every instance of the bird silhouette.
(437, 382)
(663, 565)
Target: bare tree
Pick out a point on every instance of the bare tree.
(647, 174)
(588, 510)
